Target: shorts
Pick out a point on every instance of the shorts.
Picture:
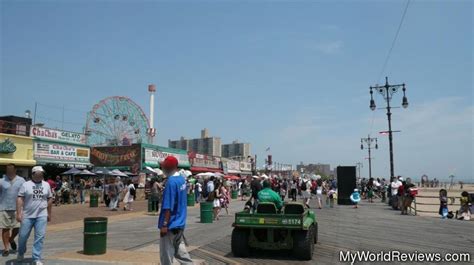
(306, 194)
(216, 203)
(8, 220)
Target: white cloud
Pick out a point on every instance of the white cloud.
(330, 47)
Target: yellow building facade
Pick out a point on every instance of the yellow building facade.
(18, 150)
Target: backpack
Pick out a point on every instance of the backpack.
(303, 185)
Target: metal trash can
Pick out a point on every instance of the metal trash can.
(235, 194)
(206, 212)
(95, 235)
(93, 200)
(191, 199)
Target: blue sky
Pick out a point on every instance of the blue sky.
(290, 75)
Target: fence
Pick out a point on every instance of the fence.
(413, 207)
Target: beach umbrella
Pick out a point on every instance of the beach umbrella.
(71, 171)
(231, 177)
(158, 171)
(206, 174)
(118, 173)
(101, 171)
(149, 170)
(85, 172)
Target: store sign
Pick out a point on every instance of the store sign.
(233, 166)
(57, 135)
(205, 162)
(245, 166)
(155, 157)
(109, 156)
(7, 147)
(61, 152)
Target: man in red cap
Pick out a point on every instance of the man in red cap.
(172, 220)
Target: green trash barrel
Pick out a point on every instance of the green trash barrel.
(95, 235)
(206, 212)
(93, 200)
(191, 199)
(235, 194)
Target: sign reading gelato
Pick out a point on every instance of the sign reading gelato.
(57, 135)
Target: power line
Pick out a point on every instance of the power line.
(387, 58)
(394, 41)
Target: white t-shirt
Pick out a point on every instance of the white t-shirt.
(36, 197)
(395, 186)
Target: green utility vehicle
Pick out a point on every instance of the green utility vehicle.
(294, 228)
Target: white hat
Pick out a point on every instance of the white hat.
(400, 178)
(356, 190)
(255, 177)
(37, 169)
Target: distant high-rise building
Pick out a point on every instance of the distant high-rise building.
(205, 145)
(236, 150)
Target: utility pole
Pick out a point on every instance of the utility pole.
(359, 165)
(387, 92)
(369, 142)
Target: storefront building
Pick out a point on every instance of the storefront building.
(204, 163)
(18, 150)
(153, 155)
(59, 151)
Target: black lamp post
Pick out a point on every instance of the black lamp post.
(369, 142)
(387, 92)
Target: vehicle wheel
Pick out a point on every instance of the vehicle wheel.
(315, 233)
(303, 244)
(240, 242)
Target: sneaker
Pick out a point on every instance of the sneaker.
(13, 245)
(5, 253)
(38, 263)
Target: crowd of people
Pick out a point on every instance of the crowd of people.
(290, 188)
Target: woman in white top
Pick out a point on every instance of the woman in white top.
(129, 196)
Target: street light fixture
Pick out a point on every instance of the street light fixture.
(387, 92)
(369, 142)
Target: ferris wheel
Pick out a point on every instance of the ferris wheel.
(116, 121)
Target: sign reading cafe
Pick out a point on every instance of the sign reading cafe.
(57, 135)
(60, 152)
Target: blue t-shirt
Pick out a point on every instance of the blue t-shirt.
(175, 200)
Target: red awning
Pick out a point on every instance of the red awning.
(204, 169)
(232, 177)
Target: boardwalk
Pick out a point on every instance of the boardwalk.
(371, 227)
(133, 237)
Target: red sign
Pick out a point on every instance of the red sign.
(110, 156)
